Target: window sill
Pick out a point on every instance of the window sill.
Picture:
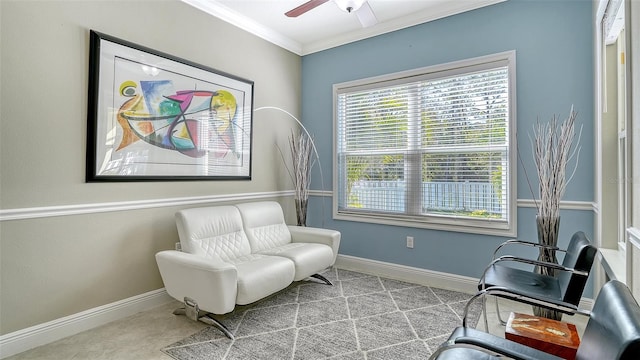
(453, 225)
(614, 263)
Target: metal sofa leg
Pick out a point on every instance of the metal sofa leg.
(322, 278)
(208, 319)
(192, 311)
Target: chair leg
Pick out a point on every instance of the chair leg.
(502, 322)
(322, 278)
(484, 313)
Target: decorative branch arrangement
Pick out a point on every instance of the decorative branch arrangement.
(300, 146)
(301, 211)
(553, 151)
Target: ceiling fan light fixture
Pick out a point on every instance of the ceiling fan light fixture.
(349, 5)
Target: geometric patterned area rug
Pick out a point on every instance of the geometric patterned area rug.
(360, 317)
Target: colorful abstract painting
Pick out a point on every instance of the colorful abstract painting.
(155, 116)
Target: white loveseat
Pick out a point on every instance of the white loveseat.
(238, 254)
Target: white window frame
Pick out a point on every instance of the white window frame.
(506, 228)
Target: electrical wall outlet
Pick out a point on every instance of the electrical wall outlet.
(410, 242)
(178, 246)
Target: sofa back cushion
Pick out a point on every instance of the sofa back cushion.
(264, 225)
(214, 232)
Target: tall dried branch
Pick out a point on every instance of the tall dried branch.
(301, 158)
(553, 150)
(300, 148)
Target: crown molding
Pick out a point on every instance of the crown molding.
(445, 8)
(224, 13)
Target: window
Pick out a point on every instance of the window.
(429, 148)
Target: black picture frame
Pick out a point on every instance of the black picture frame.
(157, 117)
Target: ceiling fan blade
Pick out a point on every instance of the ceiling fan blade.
(366, 16)
(304, 8)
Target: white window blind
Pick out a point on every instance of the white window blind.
(431, 146)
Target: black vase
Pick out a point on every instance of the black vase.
(547, 235)
(301, 211)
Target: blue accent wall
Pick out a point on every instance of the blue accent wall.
(554, 57)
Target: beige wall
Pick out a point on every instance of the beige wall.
(609, 128)
(55, 266)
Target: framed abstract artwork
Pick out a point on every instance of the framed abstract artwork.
(155, 117)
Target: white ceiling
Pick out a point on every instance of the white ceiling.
(327, 26)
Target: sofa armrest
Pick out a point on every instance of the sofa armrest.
(211, 283)
(303, 234)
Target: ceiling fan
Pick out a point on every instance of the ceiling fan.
(359, 7)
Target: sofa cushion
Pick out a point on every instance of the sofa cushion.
(261, 275)
(213, 232)
(308, 258)
(264, 225)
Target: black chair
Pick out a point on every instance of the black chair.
(562, 291)
(612, 333)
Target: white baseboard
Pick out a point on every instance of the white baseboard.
(420, 276)
(409, 274)
(29, 338)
